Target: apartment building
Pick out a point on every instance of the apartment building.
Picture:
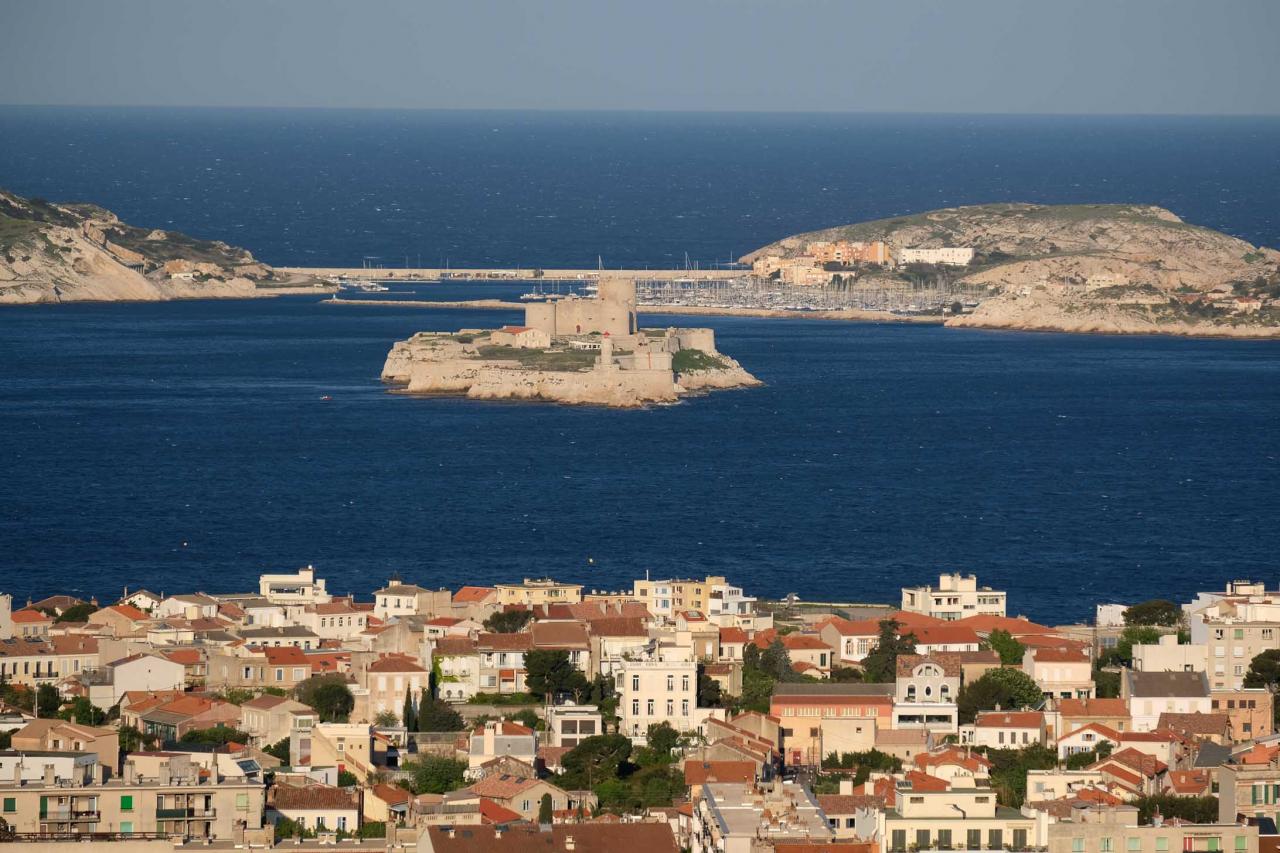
(926, 688)
(459, 662)
(1061, 673)
(502, 662)
(657, 691)
(1150, 694)
(569, 723)
(339, 619)
(850, 641)
(500, 739)
(1235, 630)
(1168, 655)
(963, 818)
(46, 661)
(299, 588)
(1103, 829)
(667, 597)
(138, 672)
(398, 599)
(1006, 729)
(818, 718)
(55, 735)
(178, 800)
(955, 597)
(269, 719)
(538, 592)
(1249, 711)
(736, 818)
(1248, 790)
(388, 681)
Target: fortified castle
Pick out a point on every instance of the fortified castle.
(571, 350)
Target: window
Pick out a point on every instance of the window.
(995, 839)
(922, 838)
(973, 838)
(649, 707)
(524, 805)
(1242, 843)
(342, 823)
(671, 707)
(899, 840)
(635, 707)
(242, 802)
(1105, 845)
(1019, 839)
(126, 803)
(1162, 844)
(684, 707)
(1077, 845)
(635, 683)
(1238, 634)
(944, 839)
(1214, 843)
(10, 805)
(684, 683)
(1133, 843)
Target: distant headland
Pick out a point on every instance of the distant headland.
(575, 350)
(81, 252)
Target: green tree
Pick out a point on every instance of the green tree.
(329, 695)
(287, 828)
(1190, 809)
(408, 715)
(132, 740)
(1264, 669)
(372, 829)
(881, 666)
(84, 712)
(508, 621)
(279, 749)
(603, 694)
(1080, 760)
(1009, 770)
(436, 716)
(549, 672)
(48, 700)
(1011, 689)
(775, 661)
(594, 760)
(1106, 684)
(347, 779)
(386, 719)
(1122, 652)
(528, 718)
(709, 694)
(545, 812)
(841, 674)
(863, 763)
(77, 613)
(434, 775)
(218, 735)
(663, 739)
(1003, 644)
(1157, 611)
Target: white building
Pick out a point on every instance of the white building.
(926, 688)
(955, 597)
(300, 587)
(1150, 694)
(1168, 656)
(952, 256)
(142, 672)
(657, 691)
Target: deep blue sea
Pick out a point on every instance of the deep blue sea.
(186, 445)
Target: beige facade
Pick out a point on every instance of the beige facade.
(1061, 673)
(736, 818)
(177, 801)
(299, 588)
(388, 680)
(668, 597)
(657, 691)
(58, 735)
(1249, 709)
(270, 719)
(1248, 790)
(1104, 830)
(1168, 655)
(612, 312)
(964, 818)
(955, 597)
(537, 592)
(1234, 631)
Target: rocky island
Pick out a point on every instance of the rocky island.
(1112, 268)
(81, 252)
(585, 351)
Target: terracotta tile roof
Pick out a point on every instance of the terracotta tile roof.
(1153, 736)
(987, 656)
(804, 642)
(444, 621)
(501, 786)
(912, 621)
(1257, 754)
(1010, 719)
(952, 755)
(847, 804)
(450, 646)
(186, 657)
(1060, 656)
(700, 772)
(847, 628)
(1147, 765)
(1048, 641)
(74, 644)
(26, 616)
(128, 611)
(733, 635)
(264, 702)
(1098, 728)
(231, 610)
(948, 662)
(284, 656)
(505, 642)
(473, 594)
(936, 635)
(551, 755)
(985, 624)
(560, 635)
(282, 797)
(391, 794)
(505, 728)
(1093, 707)
(619, 626)
(1192, 783)
(396, 663)
(494, 813)
(341, 605)
(1196, 724)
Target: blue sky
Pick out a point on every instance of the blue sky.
(981, 56)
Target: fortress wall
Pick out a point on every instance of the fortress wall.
(700, 339)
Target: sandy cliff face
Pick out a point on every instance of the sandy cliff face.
(732, 375)
(77, 252)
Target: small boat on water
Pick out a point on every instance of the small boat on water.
(365, 286)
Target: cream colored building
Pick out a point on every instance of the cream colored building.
(1234, 631)
(1150, 694)
(388, 680)
(1114, 829)
(736, 818)
(401, 599)
(1060, 673)
(954, 256)
(955, 597)
(520, 337)
(962, 818)
(270, 719)
(56, 735)
(926, 690)
(1168, 655)
(657, 691)
(298, 588)
(537, 592)
(177, 801)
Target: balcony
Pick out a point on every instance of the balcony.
(184, 813)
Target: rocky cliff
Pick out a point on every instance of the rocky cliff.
(1087, 268)
(77, 252)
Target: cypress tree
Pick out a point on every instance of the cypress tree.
(407, 715)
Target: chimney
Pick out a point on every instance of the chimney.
(568, 842)
(49, 775)
(164, 773)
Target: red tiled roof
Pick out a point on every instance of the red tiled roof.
(985, 624)
(1099, 728)
(505, 642)
(1093, 707)
(308, 797)
(186, 657)
(619, 626)
(1053, 655)
(733, 635)
(473, 594)
(952, 755)
(501, 786)
(1010, 719)
(847, 628)
(396, 663)
(1189, 782)
(284, 655)
(491, 812)
(448, 646)
(391, 794)
(700, 772)
(27, 616)
(804, 642)
(505, 728)
(128, 611)
(444, 621)
(935, 635)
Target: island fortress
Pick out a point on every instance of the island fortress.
(572, 350)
